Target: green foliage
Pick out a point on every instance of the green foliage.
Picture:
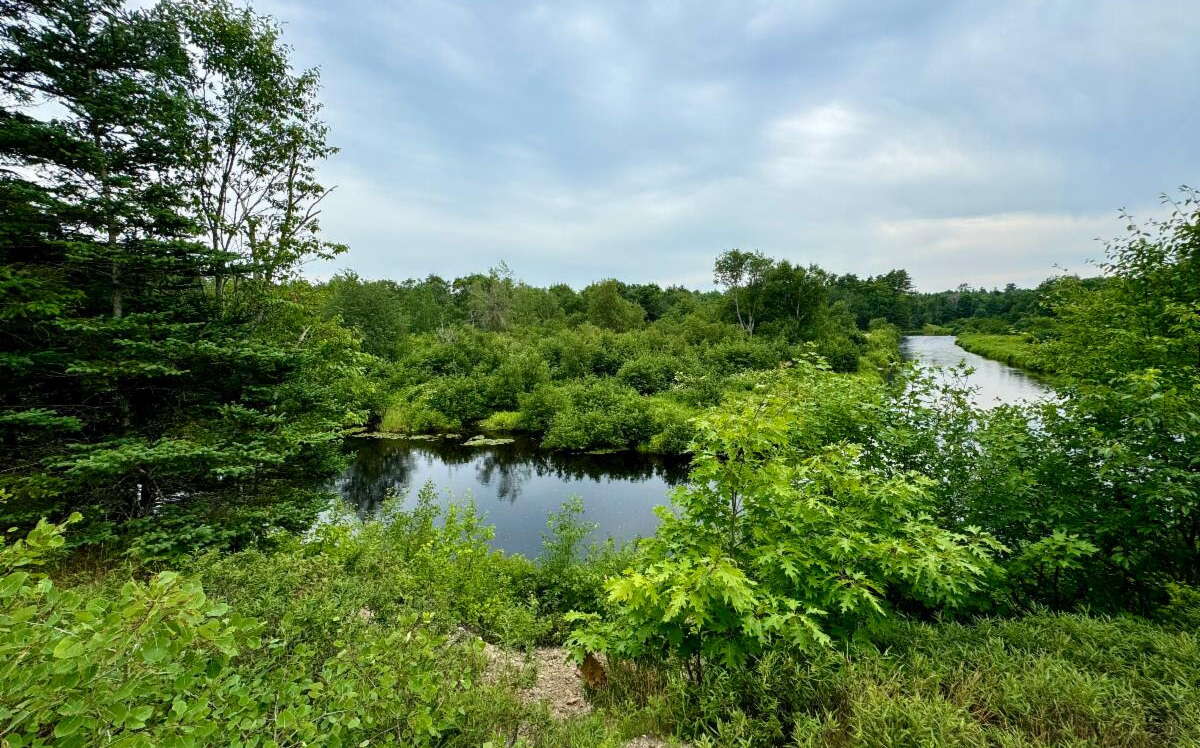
(507, 347)
(589, 414)
(1015, 350)
(606, 308)
(673, 425)
(427, 561)
(1034, 681)
(649, 373)
(503, 421)
(154, 356)
(783, 537)
(166, 372)
(1095, 493)
(569, 575)
(840, 351)
(1182, 608)
(370, 308)
(354, 635)
(403, 417)
(743, 275)
(882, 353)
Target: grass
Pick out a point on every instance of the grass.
(1015, 350)
(1040, 680)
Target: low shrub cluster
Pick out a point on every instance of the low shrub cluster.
(586, 387)
(358, 635)
(367, 634)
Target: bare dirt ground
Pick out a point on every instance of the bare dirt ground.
(556, 682)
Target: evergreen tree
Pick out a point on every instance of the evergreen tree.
(129, 394)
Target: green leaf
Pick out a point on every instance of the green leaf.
(67, 648)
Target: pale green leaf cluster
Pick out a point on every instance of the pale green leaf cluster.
(785, 536)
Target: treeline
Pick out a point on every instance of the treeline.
(762, 296)
(611, 366)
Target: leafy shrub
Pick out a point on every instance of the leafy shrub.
(428, 560)
(406, 417)
(178, 530)
(539, 407)
(840, 351)
(517, 374)
(882, 350)
(774, 547)
(732, 356)
(159, 662)
(1183, 607)
(1045, 569)
(462, 399)
(649, 373)
(584, 351)
(503, 421)
(588, 414)
(673, 426)
(1014, 350)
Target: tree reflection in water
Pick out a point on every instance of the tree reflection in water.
(515, 484)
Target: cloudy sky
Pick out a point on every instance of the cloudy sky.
(976, 142)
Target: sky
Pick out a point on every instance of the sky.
(968, 142)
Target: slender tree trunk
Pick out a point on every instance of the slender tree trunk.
(118, 298)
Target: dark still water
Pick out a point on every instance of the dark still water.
(515, 485)
(995, 383)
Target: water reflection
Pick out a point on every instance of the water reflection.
(516, 485)
(995, 383)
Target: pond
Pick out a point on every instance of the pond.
(995, 383)
(515, 485)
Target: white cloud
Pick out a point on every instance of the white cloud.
(974, 143)
(835, 143)
(992, 250)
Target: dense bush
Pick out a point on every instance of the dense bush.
(159, 662)
(783, 539)
(840, 351)
(359, 634)
(588, 414)
(649, 373)
(503, 421)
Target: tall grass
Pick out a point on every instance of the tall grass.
(1015, 350)
(1041, 680)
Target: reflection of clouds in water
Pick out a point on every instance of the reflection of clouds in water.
(991, 382)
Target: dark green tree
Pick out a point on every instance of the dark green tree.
(129, 393)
